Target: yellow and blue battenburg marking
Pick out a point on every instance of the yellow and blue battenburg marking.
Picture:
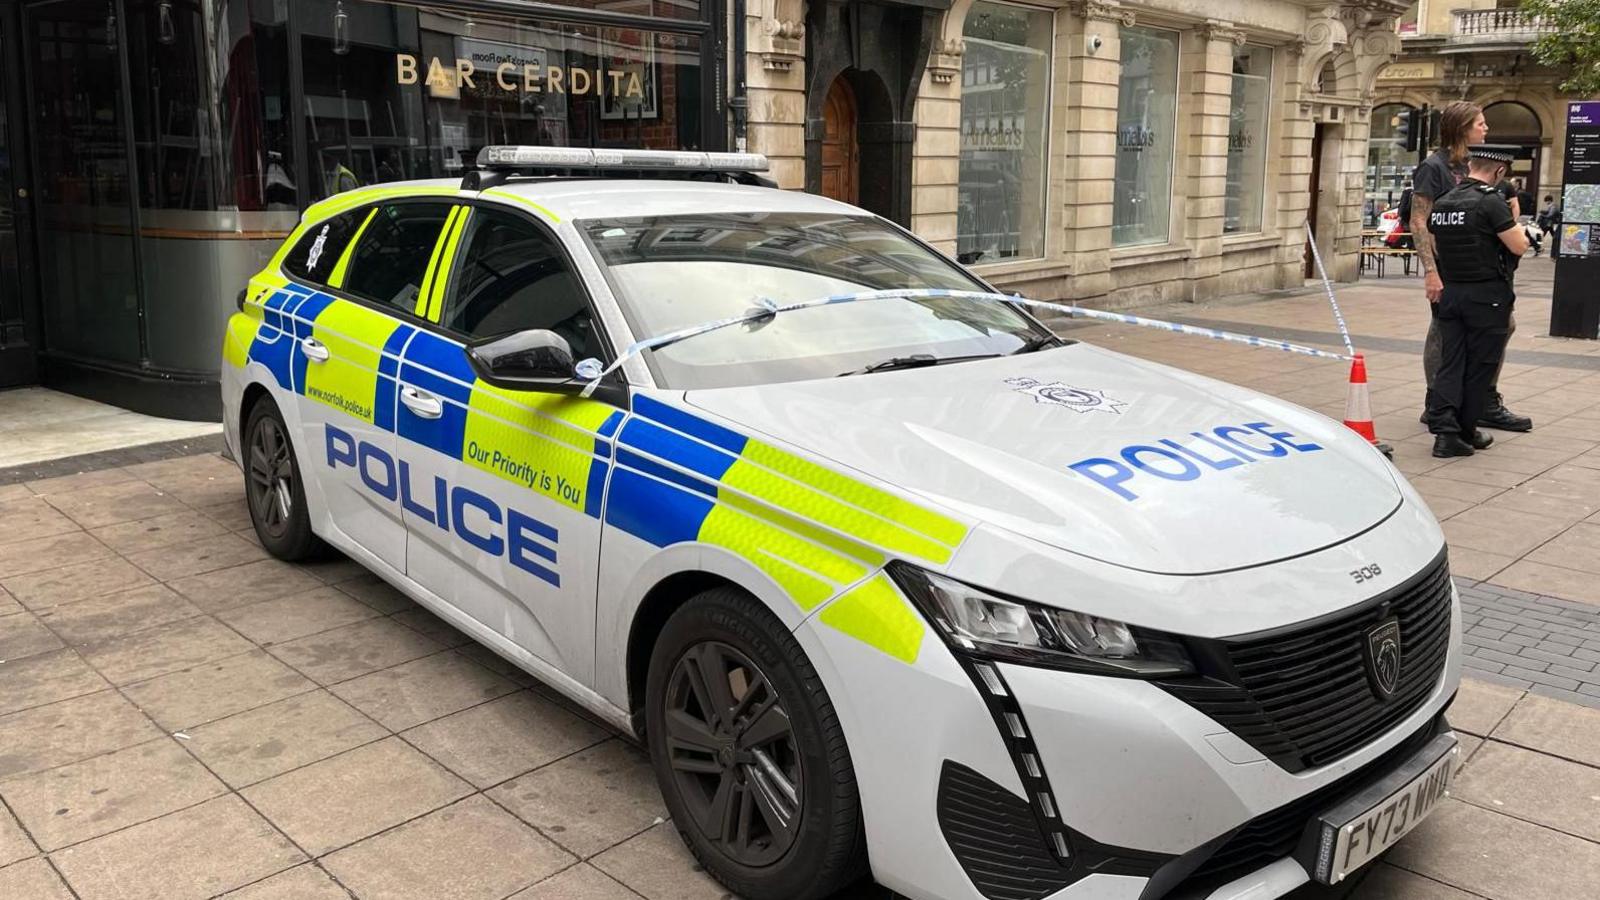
(814, 531)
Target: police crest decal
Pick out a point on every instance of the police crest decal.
(1056, 393)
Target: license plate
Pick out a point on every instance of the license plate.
(1356, 831)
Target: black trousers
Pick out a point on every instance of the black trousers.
(1474, 324)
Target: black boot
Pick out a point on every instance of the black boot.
(1479, 440)
(1448, 445)
(1495, 415)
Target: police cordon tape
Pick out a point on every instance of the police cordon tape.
(767, 309)
(1327, 287)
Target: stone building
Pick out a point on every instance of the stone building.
(1467, 50)
(1115, 152)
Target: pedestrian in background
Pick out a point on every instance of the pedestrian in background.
(1461, 124)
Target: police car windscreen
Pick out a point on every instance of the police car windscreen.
(672, 272)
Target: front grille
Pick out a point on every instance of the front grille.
(1301, 696)
(1276, 834)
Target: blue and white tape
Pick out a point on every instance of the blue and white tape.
(1327, 287)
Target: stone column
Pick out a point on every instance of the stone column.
(775, 79)
(1089, 141)
(1296, 130)
(1207, 68)
(936, 159)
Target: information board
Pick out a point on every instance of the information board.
(1575, 306)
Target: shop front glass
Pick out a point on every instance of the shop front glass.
(1147, 101)
(1389, 163)
(1247, 139)
(1005, 104)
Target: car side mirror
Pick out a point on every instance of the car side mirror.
(532, 360)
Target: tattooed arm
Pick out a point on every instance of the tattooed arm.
(1422, 239)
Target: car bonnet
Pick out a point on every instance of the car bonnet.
(1122, 460)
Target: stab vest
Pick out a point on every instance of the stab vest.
(1467, 247)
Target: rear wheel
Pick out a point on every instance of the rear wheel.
(273, 488)
(749, 752)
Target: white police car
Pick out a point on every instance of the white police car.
(894, 581)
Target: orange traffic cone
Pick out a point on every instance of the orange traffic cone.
(1358, 405)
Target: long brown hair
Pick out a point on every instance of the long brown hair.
(1454, 120)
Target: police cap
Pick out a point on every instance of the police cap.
(1501, 153)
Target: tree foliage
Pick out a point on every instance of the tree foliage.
(1572, 42)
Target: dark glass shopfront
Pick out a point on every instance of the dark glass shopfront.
(153, 152)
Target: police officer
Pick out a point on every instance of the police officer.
(1477, 242)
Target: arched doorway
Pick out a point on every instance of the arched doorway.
(1515, 123)
(841, 151)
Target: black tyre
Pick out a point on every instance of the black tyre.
(272, 486)
(749, 752)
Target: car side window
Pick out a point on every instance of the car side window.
(318, 251)
(513, 277)
(391, 260)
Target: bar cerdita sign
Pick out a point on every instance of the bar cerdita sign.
(514, 74)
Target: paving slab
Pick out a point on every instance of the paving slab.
(1497, 856)
(197, 557)
(33, 879)
(14, 842)
(243, 585)
(45, 678)
(472, 850)
(1534, 787)
(117, 615)
(1392, 883)
(658, 866)
(1553, 727)
(256, 745)
(580, 882)
(157, 532)
(306, 882)
(73, 803)
(589, 801)
(422, 690)
(76, 581)
(31, 516)
(1479, 706)
(70, 730)
(169, 648)
(193, 854)
(504, 738)
(275, 621)
(377, 593)
(350, 651)
(341, 800)
(110, 504)
(22, 636)
(216, 689)
(38, 554)
(1540, 578)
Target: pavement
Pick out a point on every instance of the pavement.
(183, 717)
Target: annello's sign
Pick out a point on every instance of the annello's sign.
(517, 77)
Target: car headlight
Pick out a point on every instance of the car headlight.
(984, 624)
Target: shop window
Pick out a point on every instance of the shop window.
(514, 277)
(1147, 102)
(396, 91)
(1005, 109)
(314, 258)
(1389, 163)
(391, 259)
(1247, 139)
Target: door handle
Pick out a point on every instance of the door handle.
(421, 403)
(314, 350)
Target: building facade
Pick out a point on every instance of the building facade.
(154, 152)
(1116, 153)
(1467, 50)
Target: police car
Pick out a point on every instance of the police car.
(886, 577)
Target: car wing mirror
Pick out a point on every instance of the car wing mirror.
(534, 360)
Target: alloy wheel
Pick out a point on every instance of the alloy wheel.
(733, 755)
(271, 476)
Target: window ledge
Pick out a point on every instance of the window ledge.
(1236, 243)
(1040, 268)
(1146, 255)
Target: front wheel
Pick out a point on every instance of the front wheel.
(750, 754)
(273, 488)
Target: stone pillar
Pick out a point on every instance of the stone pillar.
(1207, 68)
(1293, 196)
(936, 159)
(1088, 138)
(775, 79)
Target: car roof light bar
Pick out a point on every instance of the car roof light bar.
(520, 157)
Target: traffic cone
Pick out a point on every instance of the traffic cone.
(1358, 405)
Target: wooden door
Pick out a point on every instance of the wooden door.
(1315, 188)
(841, 155)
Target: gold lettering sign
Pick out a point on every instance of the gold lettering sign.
(1409, 71)
(448, 77)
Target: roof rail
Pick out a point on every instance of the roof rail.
(498, 163)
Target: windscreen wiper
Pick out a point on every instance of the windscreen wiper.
(914, 361)
(1039, 343)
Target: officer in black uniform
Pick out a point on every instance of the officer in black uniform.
(1478, 243)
